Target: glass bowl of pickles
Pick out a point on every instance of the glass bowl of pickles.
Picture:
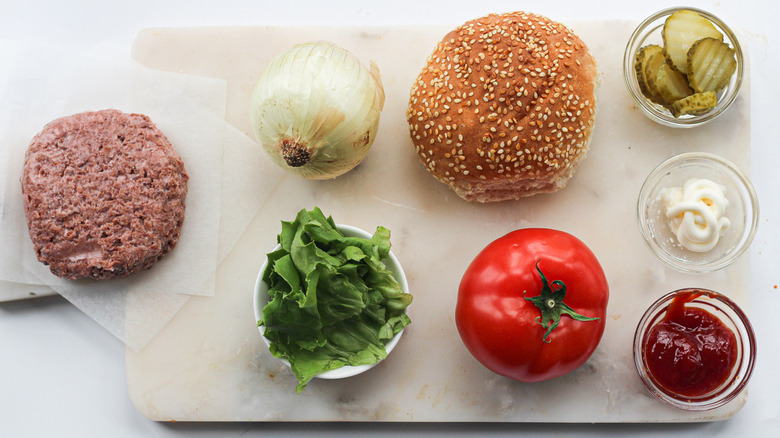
(683, 67)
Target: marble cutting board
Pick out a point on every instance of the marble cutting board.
(210, 364)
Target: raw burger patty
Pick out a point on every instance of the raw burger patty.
(104, 194)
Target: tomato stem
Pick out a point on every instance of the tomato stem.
(550, 303)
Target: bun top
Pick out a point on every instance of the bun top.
(504, 107)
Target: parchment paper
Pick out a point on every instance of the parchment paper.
(42, 84)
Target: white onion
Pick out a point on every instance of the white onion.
(315, 110)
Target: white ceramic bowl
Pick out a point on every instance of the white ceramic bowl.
(261, 299)
(742, 212)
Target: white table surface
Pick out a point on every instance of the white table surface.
(62, 375)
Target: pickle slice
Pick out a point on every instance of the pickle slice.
(681, 30)
(655, 63)
(711, 63)
(672, 85)
(646, 64)
(697, 103)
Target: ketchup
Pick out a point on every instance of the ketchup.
(689, 352)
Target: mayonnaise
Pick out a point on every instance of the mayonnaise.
(695, 212)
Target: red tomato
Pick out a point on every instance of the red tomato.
(503, 329)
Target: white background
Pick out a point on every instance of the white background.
(63, 375)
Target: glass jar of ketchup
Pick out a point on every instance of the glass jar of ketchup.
(694, 349)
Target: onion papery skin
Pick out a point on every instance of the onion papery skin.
(315, 110)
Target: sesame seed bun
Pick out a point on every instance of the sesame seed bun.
(504, 107)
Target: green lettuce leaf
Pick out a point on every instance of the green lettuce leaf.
(333, 302)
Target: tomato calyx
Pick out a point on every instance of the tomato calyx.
(550, 303)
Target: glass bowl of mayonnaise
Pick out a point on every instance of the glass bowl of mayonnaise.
(698, 212)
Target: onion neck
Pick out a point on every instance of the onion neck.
(294, 153)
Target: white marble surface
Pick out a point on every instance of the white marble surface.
(209, 364)
(61, 375)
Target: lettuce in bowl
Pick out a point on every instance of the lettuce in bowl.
(327, 303)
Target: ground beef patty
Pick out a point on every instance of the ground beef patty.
(104, 194)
